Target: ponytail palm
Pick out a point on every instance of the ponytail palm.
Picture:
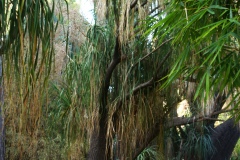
(27, 31)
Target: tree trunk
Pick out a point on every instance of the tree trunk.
(99, 149)
(2, 130)
(98, 142)
(224, 139)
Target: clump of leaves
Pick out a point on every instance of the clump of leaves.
(151, 153)
(198, 144)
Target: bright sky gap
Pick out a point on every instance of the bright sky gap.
(86, 9)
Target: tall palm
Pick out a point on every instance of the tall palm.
(27, 31)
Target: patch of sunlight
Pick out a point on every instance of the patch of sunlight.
(86, 10)
(183, 109)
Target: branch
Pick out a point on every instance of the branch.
(146, 84)
(154, 9)
(104, 91)
(178, 121)
(150, 136)
(144, 3)
(147, 55)
(143, 85)
(154, 50)
(154, 132)
(134, 3)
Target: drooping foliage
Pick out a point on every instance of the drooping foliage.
(118, 96)
(205, 41)
(27, 31)
(109, 76)
(136, 48)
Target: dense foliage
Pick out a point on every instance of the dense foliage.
(119, 94)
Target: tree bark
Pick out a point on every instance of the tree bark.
(2, 129)
(99, 149)
(224, 138)
(98, 142)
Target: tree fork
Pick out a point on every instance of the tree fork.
(98, 143)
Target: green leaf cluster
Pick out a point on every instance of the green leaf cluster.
(205, 41)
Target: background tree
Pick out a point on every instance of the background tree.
(27, 31)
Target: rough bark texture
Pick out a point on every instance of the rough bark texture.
(98, 142)
(2, 130)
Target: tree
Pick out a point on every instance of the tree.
(26, 30)
(204, 49)
(119, 93)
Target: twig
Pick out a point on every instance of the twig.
(147, 55)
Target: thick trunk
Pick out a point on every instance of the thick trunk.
(224, 139)
(2, 133)
(98, 142)
(99, 150)
(2, 137)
